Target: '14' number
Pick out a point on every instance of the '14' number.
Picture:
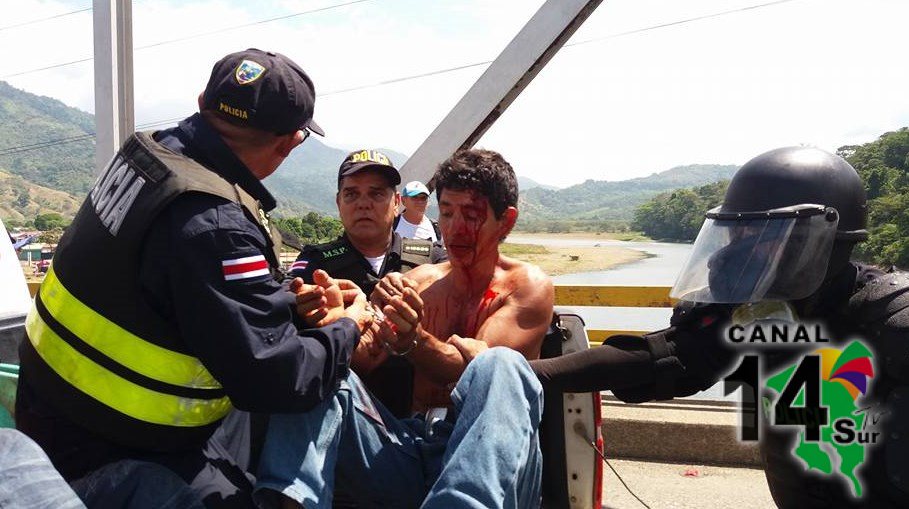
(810, 414)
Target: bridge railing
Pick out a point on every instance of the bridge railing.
(612, 296)
(591, 295)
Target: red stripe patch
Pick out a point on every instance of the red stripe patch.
(246, 267)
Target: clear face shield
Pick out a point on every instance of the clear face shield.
(781, 254)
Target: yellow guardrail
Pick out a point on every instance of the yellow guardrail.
(590, 295)
(612, 296)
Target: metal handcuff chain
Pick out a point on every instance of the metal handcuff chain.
(379, 316)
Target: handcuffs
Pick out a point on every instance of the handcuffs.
(378, 316)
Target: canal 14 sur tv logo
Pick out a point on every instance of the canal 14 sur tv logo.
(819, 395)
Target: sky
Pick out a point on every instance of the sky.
(643, 86)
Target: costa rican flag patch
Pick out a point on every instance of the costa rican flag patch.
(244, 268)
(299, 265)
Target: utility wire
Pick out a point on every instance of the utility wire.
(14, 149)
(194, 36)
(259, 22)
(39, 20)
(679, 22)
(577, 43)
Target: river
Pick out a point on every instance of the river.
(659, 269)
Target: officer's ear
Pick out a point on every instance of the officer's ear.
(397, 201)
(288, 142)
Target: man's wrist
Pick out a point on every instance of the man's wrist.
(400, 353)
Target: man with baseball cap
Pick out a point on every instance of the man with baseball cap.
(162, 313)
(366, 252)
(412, 222)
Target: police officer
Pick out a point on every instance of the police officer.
(784, 234)
(161, 312)
(367, 251)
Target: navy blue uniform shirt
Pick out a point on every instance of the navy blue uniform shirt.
(242, 328)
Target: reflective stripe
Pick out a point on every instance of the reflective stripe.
(122, 346)
(115, 392)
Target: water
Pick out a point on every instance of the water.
(660, 269)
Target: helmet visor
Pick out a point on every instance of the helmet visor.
(777, 255)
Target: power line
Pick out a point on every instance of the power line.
(35, 146)
(18, 149)
(39, 20)
(194, 36)
(577, 43)
(260, 22)
(679, 22)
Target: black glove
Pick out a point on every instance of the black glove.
(687, 357)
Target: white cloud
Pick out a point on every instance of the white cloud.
(717, 90)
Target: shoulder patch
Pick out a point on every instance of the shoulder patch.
(246, 267)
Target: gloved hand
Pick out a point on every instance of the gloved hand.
(687, 357)
(697, 337)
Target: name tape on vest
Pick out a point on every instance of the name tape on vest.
(114, 193)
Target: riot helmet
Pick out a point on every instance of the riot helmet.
(788, 221)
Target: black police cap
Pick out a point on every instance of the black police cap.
(360, 160)
(264, 90)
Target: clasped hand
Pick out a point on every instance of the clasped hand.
(401, 330)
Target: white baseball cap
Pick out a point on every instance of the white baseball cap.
(414, 188)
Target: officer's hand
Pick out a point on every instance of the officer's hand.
(403, 315)
(310, 301)
(349, 290)
(320, 304)
(357, 312)
(392, 285)
(468, 347)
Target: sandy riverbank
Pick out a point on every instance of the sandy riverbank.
(568, 260)
(553, 260)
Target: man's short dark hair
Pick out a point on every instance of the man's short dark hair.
(484, 171)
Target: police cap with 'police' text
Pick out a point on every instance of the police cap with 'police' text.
(263, 90)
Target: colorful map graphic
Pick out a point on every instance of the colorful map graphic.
(845, 376)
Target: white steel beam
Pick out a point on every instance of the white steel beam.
(505, 79)
(114, 113)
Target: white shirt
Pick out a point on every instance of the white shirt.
(376, 263)
(424, 230)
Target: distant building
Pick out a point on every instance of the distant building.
(36, 251)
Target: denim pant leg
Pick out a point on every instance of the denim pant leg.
(27, 477)
(137, 485)
(376, 456)
(493, 458)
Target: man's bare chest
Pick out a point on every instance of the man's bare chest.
(447, 312)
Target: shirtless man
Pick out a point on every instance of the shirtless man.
(478, 293)
(486, 454)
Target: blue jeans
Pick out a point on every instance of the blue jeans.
(137, 485)
(27, 477)
(488, 458)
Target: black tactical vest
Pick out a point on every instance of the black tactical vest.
(97, 352)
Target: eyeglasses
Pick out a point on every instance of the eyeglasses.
(306, 133)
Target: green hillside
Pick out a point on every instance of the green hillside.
(603, 200)
(49, 146)
(21, 201)
(31, 130)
